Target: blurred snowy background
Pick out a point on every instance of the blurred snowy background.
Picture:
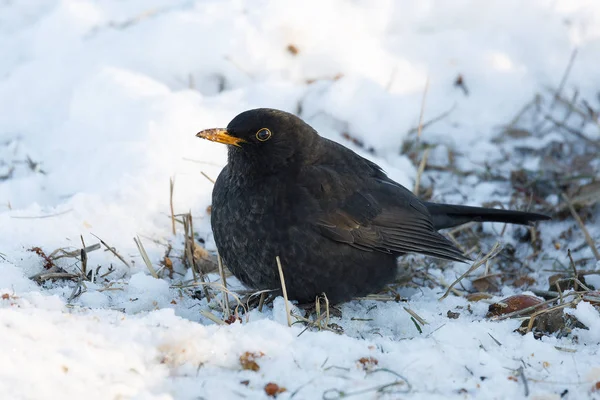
(99, 105)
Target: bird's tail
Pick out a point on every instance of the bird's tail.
(448, 216)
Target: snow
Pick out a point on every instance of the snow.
(106, 98)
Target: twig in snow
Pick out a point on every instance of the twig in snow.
(521, 373)
(564, 78)
(171, 187)
(224, 283)
(318, 309)
(145, 257)
(574, 268)
(572, 131)
(83, 254)
(415, 316)
(335, 394)
(495, 340)
(433, 120)
(212, 317)
(112, 250)
(207, 177)
(42, 216)
(493, 252)
(261, 301)
(420, 171)
(77, 290)
(588, 238)
(420, 127)
(53, 273)
(284, 290)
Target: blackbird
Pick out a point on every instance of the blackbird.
(334, 218)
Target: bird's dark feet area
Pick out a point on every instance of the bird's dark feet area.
(310, 309)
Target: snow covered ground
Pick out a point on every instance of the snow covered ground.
(99, 105)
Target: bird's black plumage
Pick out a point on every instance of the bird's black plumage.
(335, 219)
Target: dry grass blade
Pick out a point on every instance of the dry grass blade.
(224, 282)
(420, 127)
(493, 252)
(521, 373)
(61, 253)
(318, 309)
(572, 131)
(53, 273)
(445, 284)
(171, 188)
(189, 244)
(415, 316)
(208, 177)
(261, 301)
(574, 268)
(420, 170)
(42, 216)
(212, 317)
(582, 285)
(284, 290)
(564, 78)
(112, 250)
(145, 257)
(77, 290)
(433, 120)
(84, 259)
(588, 238)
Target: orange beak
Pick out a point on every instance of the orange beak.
(220, 136)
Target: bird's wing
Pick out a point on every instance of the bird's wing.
(362, 223)
(377, 214)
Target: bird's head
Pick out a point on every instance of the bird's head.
(265, 139)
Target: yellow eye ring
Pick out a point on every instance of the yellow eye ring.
(263, 134)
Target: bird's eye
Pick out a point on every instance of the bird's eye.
(263, 134)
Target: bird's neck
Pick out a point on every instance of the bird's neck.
(252, 166)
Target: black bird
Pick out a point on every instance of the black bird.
(334, 218)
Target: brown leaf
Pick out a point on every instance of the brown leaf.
(293, 49)
(248, 360)
(368, 363)
(273, 389)
(487, 283)
(232, 318)
(200, 252)
(168, 264)
(515, 303)
(478, 296)
(554, 321)
(524, 280)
